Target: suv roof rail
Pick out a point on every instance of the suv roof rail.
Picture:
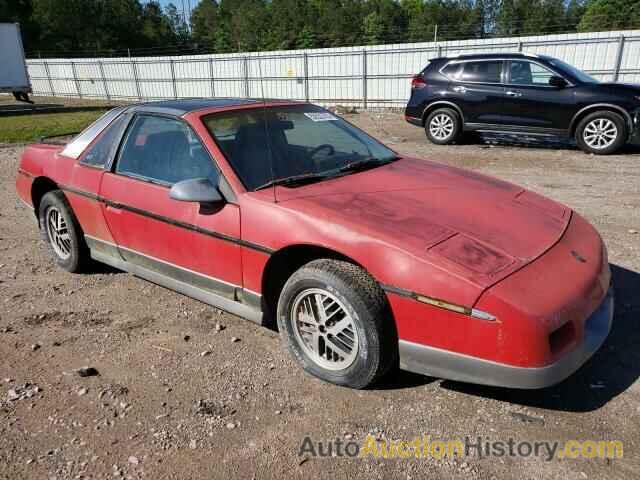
(485, 55)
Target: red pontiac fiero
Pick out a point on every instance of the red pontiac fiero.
(366, 258)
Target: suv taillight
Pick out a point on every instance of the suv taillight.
(418, 82)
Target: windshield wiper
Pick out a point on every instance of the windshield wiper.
(365, 163)
(294, 180)
(356, 165)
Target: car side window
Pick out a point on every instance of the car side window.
(452, 70)
(482, 72)
(103, 149)
(528, 73)
(163, 150)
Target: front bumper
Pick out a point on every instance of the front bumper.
(440, 363)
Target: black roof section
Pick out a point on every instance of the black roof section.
(181, 107)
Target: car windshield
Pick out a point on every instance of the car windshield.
(292, 144)
(573, 71)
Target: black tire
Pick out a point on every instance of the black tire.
(78, 252)
(605, 116)
(440, 114)
(364, 301)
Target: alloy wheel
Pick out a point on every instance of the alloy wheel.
(441, 126)
(324, 329)
(58, 233)
(600, 133)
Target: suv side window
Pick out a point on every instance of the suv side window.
(163, 150)
(527, 73)
(452, 70)
(104, 148)
(482, 72)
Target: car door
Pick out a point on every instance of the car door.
(477, 88)
(532, 102)
(182, 241)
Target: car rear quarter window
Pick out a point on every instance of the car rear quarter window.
(481, 72)
(100, 153)
(452, 70)
(78, 145)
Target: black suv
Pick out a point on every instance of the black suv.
(525, 95)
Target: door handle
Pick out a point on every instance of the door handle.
(512, 93)
(459, 89)
(114, 207)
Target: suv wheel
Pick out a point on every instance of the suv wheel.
(442, 126)
(337, 325)
(62, 234)
(601, 133)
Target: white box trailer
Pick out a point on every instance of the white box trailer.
(13, 68)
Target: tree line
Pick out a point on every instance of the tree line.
(117, 27)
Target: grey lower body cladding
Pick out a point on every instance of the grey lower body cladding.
(231, 298)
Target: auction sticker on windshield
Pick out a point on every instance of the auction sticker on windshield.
(320, 116)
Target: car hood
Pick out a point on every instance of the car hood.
(478, 226)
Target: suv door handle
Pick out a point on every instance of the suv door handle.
(459, 89)
(512, 93)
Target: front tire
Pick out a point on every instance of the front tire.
(601, 133)
(61, 232)
(337, 324)
(442, 126)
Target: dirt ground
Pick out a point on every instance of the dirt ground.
(185, 391)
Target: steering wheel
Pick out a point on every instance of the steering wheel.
(324, 146)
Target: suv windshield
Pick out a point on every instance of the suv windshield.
(292, 144)
(571, 70)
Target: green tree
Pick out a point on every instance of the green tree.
(413, 13)
(575, 11)
(373, 28)
(287, 20)
(338, 22)
(243, 24)
(610, 15)
(157, 30)
(178, 24)
(307, 38)
(204, 23)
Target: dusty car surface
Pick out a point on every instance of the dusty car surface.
(368, 260)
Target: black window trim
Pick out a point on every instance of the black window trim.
(547, 67)
(476, 60)
(227, 192)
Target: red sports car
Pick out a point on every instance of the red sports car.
(367, 259)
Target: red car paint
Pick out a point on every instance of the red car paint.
(414, 225)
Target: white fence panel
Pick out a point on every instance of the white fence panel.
(370, 76)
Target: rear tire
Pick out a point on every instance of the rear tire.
(337, 324)
(62, 233)
(601, 133)
(442, 126)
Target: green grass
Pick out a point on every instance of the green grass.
(30, 128)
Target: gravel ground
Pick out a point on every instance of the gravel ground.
(186, 391)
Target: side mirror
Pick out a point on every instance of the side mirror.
(199, 190)
(557, 82)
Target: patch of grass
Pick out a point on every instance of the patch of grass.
(30, 128)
